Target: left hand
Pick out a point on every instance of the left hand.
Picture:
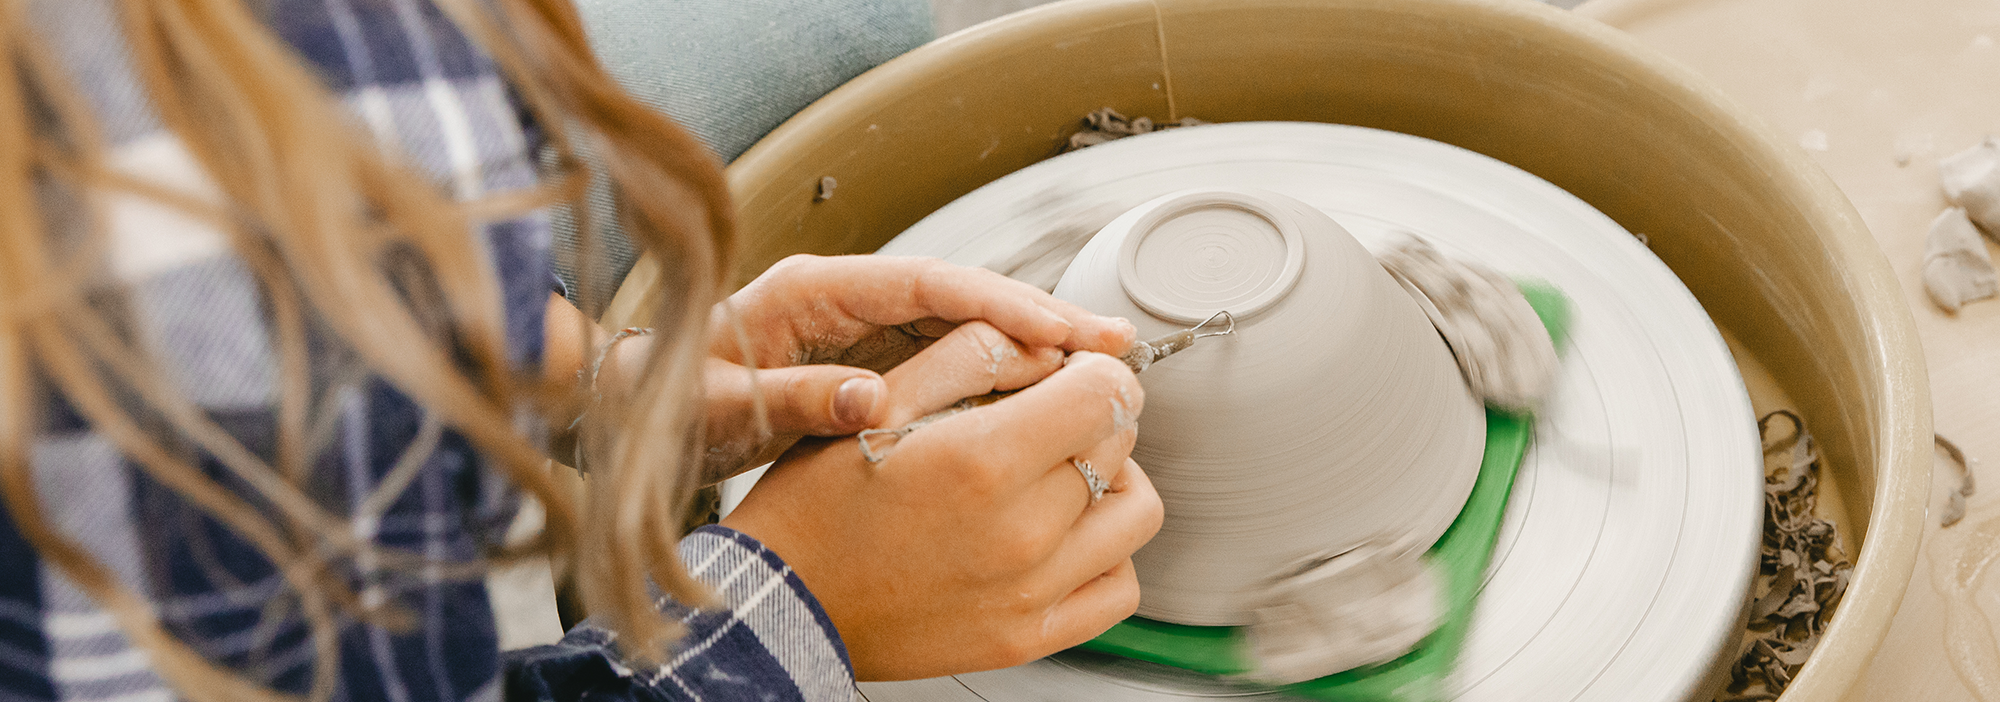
(821, 330)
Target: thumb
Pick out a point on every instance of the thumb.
(824, 400)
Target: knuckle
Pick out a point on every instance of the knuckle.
(986, 347)
(793, 399)
(1108, 371)
(1126, 595)
(964, 462)
(793, 263)
(928, 275)
(1153, 514)
(1112, 379)
(983, 334)
(1023, 643)
(976, 473)
(1017, 551)
(1126, 439)
(988, 277)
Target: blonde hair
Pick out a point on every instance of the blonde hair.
(310, 205)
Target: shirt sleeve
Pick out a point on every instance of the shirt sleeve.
(769, 639)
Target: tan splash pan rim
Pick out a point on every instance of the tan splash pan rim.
(1763, 238)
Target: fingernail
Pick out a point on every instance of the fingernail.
(855, 400)
(1127, 331)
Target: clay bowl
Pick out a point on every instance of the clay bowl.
(1759, 234)
(1258, 475)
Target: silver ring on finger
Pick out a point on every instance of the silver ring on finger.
(1091, 479)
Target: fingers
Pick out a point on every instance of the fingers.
(1110, 531)
(1096, 556)
(907, 289)
(1106, 335)
(848, 297)
(971, 361)
(1055, 501)
(960, 293)
(1066, 414)
(809, 400)
(1100, 602)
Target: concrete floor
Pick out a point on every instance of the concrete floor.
(954, 15)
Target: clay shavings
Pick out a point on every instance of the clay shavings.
(1107, 124)
(1807, 569)
(1954, 505)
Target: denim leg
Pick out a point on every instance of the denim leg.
(729, 71)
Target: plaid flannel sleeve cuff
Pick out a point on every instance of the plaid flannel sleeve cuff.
(768, 639)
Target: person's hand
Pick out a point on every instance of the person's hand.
(974, 545)
(821, 330)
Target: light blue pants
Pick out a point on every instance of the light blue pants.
(729, 71)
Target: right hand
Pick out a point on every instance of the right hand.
(974, 545)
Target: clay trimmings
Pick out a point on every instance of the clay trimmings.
(1107, 124)
(1362, 607)
(1807, 568)
(1501, 346)
(1954, 505)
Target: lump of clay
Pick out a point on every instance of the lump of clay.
(1957, 269)
(1362, 607)
(1501, 346)
(1971, 179)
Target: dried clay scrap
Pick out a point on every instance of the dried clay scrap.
(1957, 268)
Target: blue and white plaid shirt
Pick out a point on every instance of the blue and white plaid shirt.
(409, 75)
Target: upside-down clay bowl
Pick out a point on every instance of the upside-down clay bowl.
(1765, 241)
(1333, 416)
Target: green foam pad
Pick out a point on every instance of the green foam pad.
(1462, 555)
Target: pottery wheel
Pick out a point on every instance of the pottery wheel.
(1631, 535)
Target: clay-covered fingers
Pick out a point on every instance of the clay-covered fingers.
(1092, 398)
(972, 360)
(848, 297)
